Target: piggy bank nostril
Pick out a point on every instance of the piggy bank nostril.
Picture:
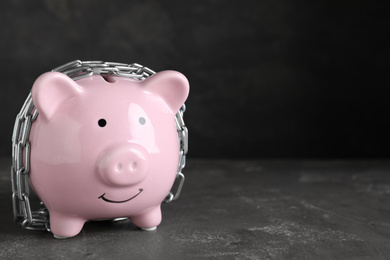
(118, 167)
(133, 166)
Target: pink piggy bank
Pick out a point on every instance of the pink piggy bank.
(103, 148)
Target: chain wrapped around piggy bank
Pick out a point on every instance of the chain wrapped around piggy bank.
(99, 140)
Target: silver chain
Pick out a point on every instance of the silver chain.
(39, 220)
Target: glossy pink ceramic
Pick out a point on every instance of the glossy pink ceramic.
(105, 148)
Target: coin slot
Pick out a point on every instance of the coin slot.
(108, 78)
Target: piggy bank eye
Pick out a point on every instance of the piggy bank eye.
(102, 122)
(142, 120)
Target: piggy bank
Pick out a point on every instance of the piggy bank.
(105, 147)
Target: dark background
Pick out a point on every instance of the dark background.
(268, 78)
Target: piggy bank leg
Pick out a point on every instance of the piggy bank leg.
(64, 226)
(148, 220)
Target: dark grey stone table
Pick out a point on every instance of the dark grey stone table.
(255, 209)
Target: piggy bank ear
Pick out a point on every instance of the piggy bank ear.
(51, 90)
(171, 86)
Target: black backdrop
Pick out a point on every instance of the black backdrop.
(268, 78)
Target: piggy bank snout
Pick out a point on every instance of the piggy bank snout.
(123, 165)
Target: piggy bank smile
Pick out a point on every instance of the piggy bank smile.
(120, 201)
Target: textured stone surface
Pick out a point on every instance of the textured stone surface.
(254, 209)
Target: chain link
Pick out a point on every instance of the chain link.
(21, 149)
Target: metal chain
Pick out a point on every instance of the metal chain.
(39, 220)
